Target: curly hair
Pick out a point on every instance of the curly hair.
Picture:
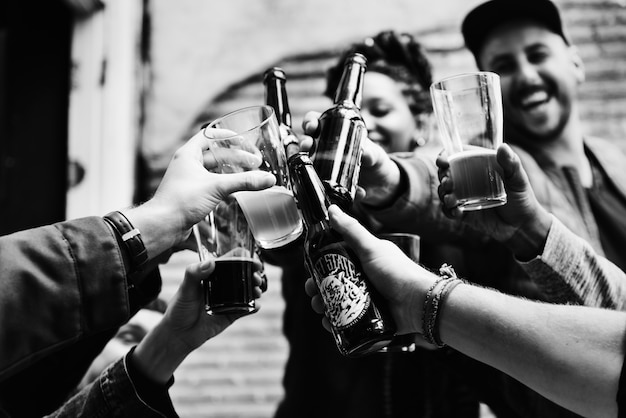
(398, 56)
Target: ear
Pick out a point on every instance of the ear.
(578, 64)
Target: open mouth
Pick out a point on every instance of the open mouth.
(532, 99)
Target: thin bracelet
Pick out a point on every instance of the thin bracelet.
(432, 302)
(450, 284)
(427, 308)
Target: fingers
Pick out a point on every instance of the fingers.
(313, 292)
(263, 284)
(306, 144)
(443, 164)
(310, 287)
(355, 235)
(248, 180)
(259, 284)
(310, 123)
(231, 160)
(372, 153)
(360, 193)
(447, 198)
(513, 174)
(197, 142)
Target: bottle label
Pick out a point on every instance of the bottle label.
(342, 287)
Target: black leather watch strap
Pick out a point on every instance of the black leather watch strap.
(131, 237)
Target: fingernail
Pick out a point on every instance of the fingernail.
(206, 266)
(334, 209)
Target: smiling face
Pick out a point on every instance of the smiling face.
(539, 75)
(386, 113)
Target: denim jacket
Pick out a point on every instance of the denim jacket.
(64, 294)
(118, 393)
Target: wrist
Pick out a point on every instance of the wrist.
(529, 240)
(414, 308)
(434, 303)
(155, 356)
(160, 230)
(389, 186)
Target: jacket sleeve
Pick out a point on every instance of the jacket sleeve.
(570, 271)
(60, 283)
(417, 209)
(119, 393)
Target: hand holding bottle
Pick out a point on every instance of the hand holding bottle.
(379, 179)
(401, 282)
(360, 321)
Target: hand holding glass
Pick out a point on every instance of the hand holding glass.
(469, 112)
(272, 213)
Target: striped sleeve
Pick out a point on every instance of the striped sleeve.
(570, 271)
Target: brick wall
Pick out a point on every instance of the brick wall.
(238, 374)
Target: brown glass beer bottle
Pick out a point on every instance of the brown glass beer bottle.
(360, 321)
(337, 152)
(275, 82)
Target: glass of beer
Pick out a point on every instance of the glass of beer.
(410, 245)
(229, 288)
(468, 108)
(272, 214)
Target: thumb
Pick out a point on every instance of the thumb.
(356, 236)
(245, 181)
(513, 174)
(372, 153)
(194, 274)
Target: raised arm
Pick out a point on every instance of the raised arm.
(563, 265)
(572, 355)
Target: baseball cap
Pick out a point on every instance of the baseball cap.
(483, 19)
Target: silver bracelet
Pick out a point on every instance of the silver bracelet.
(433, 302)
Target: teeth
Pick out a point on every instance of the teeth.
(535, 98)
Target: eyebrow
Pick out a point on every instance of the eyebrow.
(506, 55)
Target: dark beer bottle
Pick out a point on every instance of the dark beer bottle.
(360, 321)
(337, 153)
(275, 80)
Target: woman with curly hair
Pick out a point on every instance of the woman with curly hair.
(318, 380)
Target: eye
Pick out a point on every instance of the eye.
(538, 56)
(504, 66)
(130, 334)
(380, 110)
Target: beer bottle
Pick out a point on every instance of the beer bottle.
(337, 153)
(275, 80)
(360, 321)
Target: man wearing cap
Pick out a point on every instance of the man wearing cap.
(578, 178)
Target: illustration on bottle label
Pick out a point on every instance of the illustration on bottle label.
(342, 288)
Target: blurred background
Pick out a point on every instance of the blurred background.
(95, 95)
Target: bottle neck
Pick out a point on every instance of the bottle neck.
(309, 192)
(350, 89)
(276, 97)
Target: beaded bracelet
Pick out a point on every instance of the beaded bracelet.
(434, 300)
